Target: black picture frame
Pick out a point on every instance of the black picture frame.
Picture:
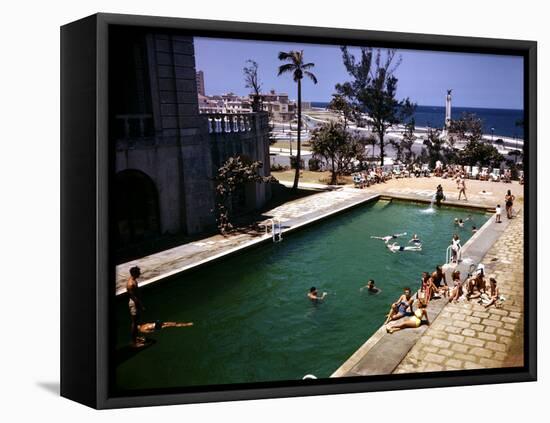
(86, 267)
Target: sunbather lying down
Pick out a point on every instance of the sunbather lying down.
(394, 247)
(158, 325)
(388, 237)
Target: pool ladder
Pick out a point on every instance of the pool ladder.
(449, 254)
(276, 230)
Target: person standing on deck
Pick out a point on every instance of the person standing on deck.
(462, 188)
(509, 198)
(135, 306)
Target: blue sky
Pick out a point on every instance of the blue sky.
(477, 80)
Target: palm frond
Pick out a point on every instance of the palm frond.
(311, 76)
(287, 67)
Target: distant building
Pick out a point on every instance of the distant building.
(278, 105)
(200, 83)
(166, 152)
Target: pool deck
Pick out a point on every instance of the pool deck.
(305, 211)
(385, 353)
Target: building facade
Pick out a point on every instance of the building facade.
(166, 152)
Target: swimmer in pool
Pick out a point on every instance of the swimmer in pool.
(158, 325)
(388, 237)
(415, 240)
(395, 248)
(371, 288)
(313, 295)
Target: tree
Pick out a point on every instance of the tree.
(339, 104)
(373, 90)
(298, 69)
(336, 146)
(253, 82)
(233, 173)
(407, 142)
(435, 146)
(469, 128)
(372, 141)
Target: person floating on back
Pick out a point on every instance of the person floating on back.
(395, 248)
(388, 237)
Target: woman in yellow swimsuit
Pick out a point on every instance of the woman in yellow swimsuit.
(420, 315)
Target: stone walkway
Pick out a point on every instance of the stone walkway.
(467, 335)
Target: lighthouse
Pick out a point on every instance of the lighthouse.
(448, 110)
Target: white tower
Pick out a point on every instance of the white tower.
(448, 110)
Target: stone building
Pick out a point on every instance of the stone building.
(166, 152)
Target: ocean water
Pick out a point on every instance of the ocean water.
(502, 120)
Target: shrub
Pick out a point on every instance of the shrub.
(314, 164)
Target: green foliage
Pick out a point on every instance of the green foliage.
(469, 128)
(373, 90)
(435, 147)
(314, 164)
(336, 146)
(407, 142)
(233, 173)
(480, 153)
(342, 106)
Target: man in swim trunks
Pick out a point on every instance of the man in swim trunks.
(394, 247)
(371, 288)
(388, 237)
(158, 325)
(402, 307)
(314, 296)
(440, 281)
(135, 306)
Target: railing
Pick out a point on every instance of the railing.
(276, 230)
(134, 125)
(226, 123)
(449, 254)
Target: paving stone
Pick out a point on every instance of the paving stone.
(487, 336)
(474, 342)
(481, 352)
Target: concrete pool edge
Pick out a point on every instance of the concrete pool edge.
(408, 339)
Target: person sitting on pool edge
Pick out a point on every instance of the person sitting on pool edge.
(394, 247)
(371, 288)
(402, 307)
(440, 281)
(314, 296)
(158, 325)
(420, 316)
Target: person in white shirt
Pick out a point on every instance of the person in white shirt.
(497, 214)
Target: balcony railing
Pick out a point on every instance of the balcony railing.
(226, 123)
(134, 125)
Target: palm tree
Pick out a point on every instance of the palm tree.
(299, 69)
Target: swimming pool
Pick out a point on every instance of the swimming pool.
(252, 319)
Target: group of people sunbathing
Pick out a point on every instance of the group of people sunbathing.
(434, 285)
(370, 177)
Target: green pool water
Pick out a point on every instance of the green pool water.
(253, 321)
